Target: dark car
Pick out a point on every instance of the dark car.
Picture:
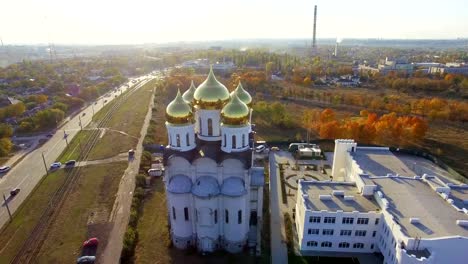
(4, 169)
(70, 163)
(14, 191)
(49, 135)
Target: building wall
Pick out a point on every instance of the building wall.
(369, 240)
(202, 127)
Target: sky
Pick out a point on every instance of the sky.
(157, 21)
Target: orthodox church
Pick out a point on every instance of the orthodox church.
(214, 194)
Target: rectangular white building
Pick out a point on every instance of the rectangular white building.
(385, 205)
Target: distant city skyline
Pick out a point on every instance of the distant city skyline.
(139, 21)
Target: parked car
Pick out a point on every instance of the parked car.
(14, 191)
(92, 242)
(260, 149)
(49, 135)
(131, 153)
(55, 165)
(86, 259)
(4, 169)
(70, 163)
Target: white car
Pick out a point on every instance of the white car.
(4, 169)
(260, 149)
(55, 165)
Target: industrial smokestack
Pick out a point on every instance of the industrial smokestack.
(314, 43)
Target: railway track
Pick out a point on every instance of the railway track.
(32, 245)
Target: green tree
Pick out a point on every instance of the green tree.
(5, 146)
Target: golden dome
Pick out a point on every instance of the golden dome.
(243, 95)
(235, 112)
(188, 95)
(211, 94)
(178, 111)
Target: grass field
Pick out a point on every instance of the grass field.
(124, 125)
(72, 152)
(14, 233)
(92, 200)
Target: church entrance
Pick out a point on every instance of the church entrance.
(253, 218)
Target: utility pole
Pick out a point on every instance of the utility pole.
(65, 137)
(8, 208)
(45, 164)
(81, 125)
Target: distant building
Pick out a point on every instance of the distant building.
(378, 202)
(401, 66)
(446, 70)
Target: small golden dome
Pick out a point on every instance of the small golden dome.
(235, 112)
(188, 95)
(243, 95)
(178, 111)
(211, 94)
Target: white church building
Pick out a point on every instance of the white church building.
(214, 194)
(390, 203)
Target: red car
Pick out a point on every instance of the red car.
(92, 242)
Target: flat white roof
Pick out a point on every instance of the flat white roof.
(414, 198)
(314, 189)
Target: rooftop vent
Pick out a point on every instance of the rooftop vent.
(349, 198)
(325, 197)
(414, 220)
(338, 193)
(463, 223)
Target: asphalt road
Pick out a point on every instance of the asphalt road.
(27, 173)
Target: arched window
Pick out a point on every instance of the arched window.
(170, 140)
(186, 214)
(234, 141)
(224, 140)
(173, 213)
(312, 243)
(200, 125)
(326, 244)
(178, 140)
(210, 127)
(343, 245)
(187, 139)
(216, 216)
(227, 216)
(243, 140)
(239, 217)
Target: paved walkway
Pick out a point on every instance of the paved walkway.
(121, 211)
(279, 253)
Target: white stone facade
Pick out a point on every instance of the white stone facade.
(419, 219)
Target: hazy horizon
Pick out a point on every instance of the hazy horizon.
(155, 22)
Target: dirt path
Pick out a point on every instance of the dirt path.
(121, 211)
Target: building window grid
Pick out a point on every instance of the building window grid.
(374, 233)
(173, 213)
(358, 245)
(363, 221)
(312, 243)
(343, 245)
(326, 244)
(345, 233)
(227, 216)
(327, 232)
(347, 220)
(313, 231)
(314, 219)
(215, 216)
(239, 217)
(360, 233)
(377, 220)
(329, 220)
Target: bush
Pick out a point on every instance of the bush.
(139, 193)
(134, 215)
(140, 180)
(129, 244)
